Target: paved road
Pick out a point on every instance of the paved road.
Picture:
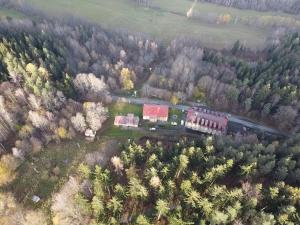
(232, 118)
(141, 101)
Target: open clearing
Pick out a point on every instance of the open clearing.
(49, 168)
(164, 21)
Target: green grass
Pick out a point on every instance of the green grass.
(123, 133)
(203, 7)
(119, 132)
(11, 13)
(172, 112)
(160, 22)
(178, 113)
(121, 108)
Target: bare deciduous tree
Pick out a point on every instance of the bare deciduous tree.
(13, 213)
(285, 117)
(64, 208)
(34, 102)
(38, 121)
(78, 122)
(96, 114)
(90, 87)
(117, 163)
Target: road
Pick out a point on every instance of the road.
(232, 118)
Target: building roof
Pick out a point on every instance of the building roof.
(155, 110)
(129, 120)
(207, 118)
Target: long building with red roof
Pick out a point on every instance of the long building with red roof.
(155, 113)
(206, 121)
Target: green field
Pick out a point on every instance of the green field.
(124, 108)
(165, 21)
(11, 13)
(183, 5)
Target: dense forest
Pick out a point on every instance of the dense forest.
(217, 181)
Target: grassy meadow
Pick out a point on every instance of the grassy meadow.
(165, 20)
(11, 13)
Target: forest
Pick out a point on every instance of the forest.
(214, 181)
(48, 67)
(260, 84)
(57, 78)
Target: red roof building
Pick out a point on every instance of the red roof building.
(206, 121)
(155, 113)
(127, 121)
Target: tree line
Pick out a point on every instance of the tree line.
(290, 6)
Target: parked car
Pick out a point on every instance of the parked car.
(152, 129)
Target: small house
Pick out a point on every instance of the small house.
(155, 113)
(127, 121)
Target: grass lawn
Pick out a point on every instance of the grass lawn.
(175, 115)
(119, 132)
(121, 108)
(123, 133)
(176, 112)
(166, 15)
